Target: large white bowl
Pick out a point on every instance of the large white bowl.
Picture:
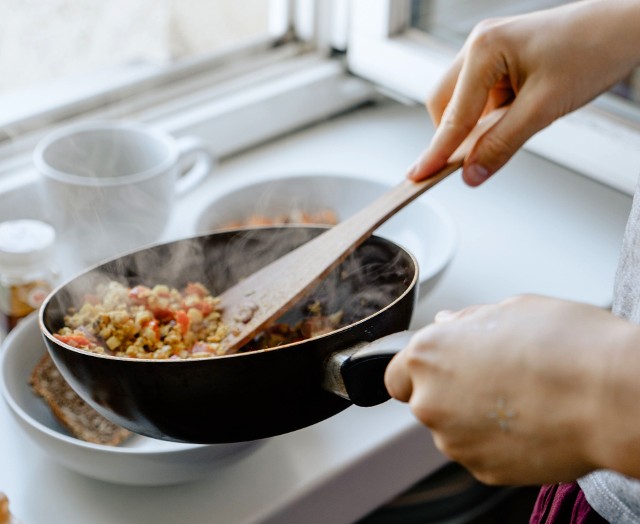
(140, 461)
(423, 227)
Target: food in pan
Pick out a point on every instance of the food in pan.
(162, 322)
(84, 422)
(297, 216)
(142, 322)
(314, 324)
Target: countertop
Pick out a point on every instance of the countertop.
(535, 227)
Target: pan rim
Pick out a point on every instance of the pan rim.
(44, 330)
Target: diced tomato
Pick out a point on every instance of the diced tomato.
(76, 341)
(139, 294)
(163, 314)
(195, 289)
(182, 320)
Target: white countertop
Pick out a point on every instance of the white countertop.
(534, 228)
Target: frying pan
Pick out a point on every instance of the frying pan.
(253, 394)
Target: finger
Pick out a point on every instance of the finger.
(478, 75)
(440, 97)
(444, 315)
(525, 117)
(448, 136)
(498, 97)
(448, 315)
(397, 379)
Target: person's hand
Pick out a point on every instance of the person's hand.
(521, 392)
(544, 65)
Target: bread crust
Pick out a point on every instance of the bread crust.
(82, 421)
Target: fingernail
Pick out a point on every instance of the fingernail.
(476, 174)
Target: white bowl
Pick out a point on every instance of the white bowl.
(423, 227)
(139, 461)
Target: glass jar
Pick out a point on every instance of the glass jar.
(27, 269)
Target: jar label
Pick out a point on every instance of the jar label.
(35, 296)
(17, 301)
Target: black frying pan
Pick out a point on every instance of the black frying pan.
(248, 395)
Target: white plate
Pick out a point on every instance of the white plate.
(423, 227)
(140, 461)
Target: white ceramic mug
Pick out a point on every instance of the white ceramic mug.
(109, 186)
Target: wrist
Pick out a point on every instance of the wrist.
(623, 34)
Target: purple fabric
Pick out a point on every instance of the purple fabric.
(563, 503)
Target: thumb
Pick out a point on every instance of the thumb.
(496, 147)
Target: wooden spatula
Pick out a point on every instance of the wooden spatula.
(250, 305)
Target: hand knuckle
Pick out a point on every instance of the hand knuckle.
(487, 477)
(519, 299)
(442, 445)
(486, 34)
(426, 413)
(452, 118)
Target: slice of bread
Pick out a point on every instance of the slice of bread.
(75, 414)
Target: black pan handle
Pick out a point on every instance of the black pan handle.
(357, 373)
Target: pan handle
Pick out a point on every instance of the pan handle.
(357, 373)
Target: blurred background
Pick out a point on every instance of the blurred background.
(46, 40)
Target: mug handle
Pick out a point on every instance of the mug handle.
(204, 162)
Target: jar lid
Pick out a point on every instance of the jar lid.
(25, 242)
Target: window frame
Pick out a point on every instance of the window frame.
(600, 140)
(217, 97)
(60, 100)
